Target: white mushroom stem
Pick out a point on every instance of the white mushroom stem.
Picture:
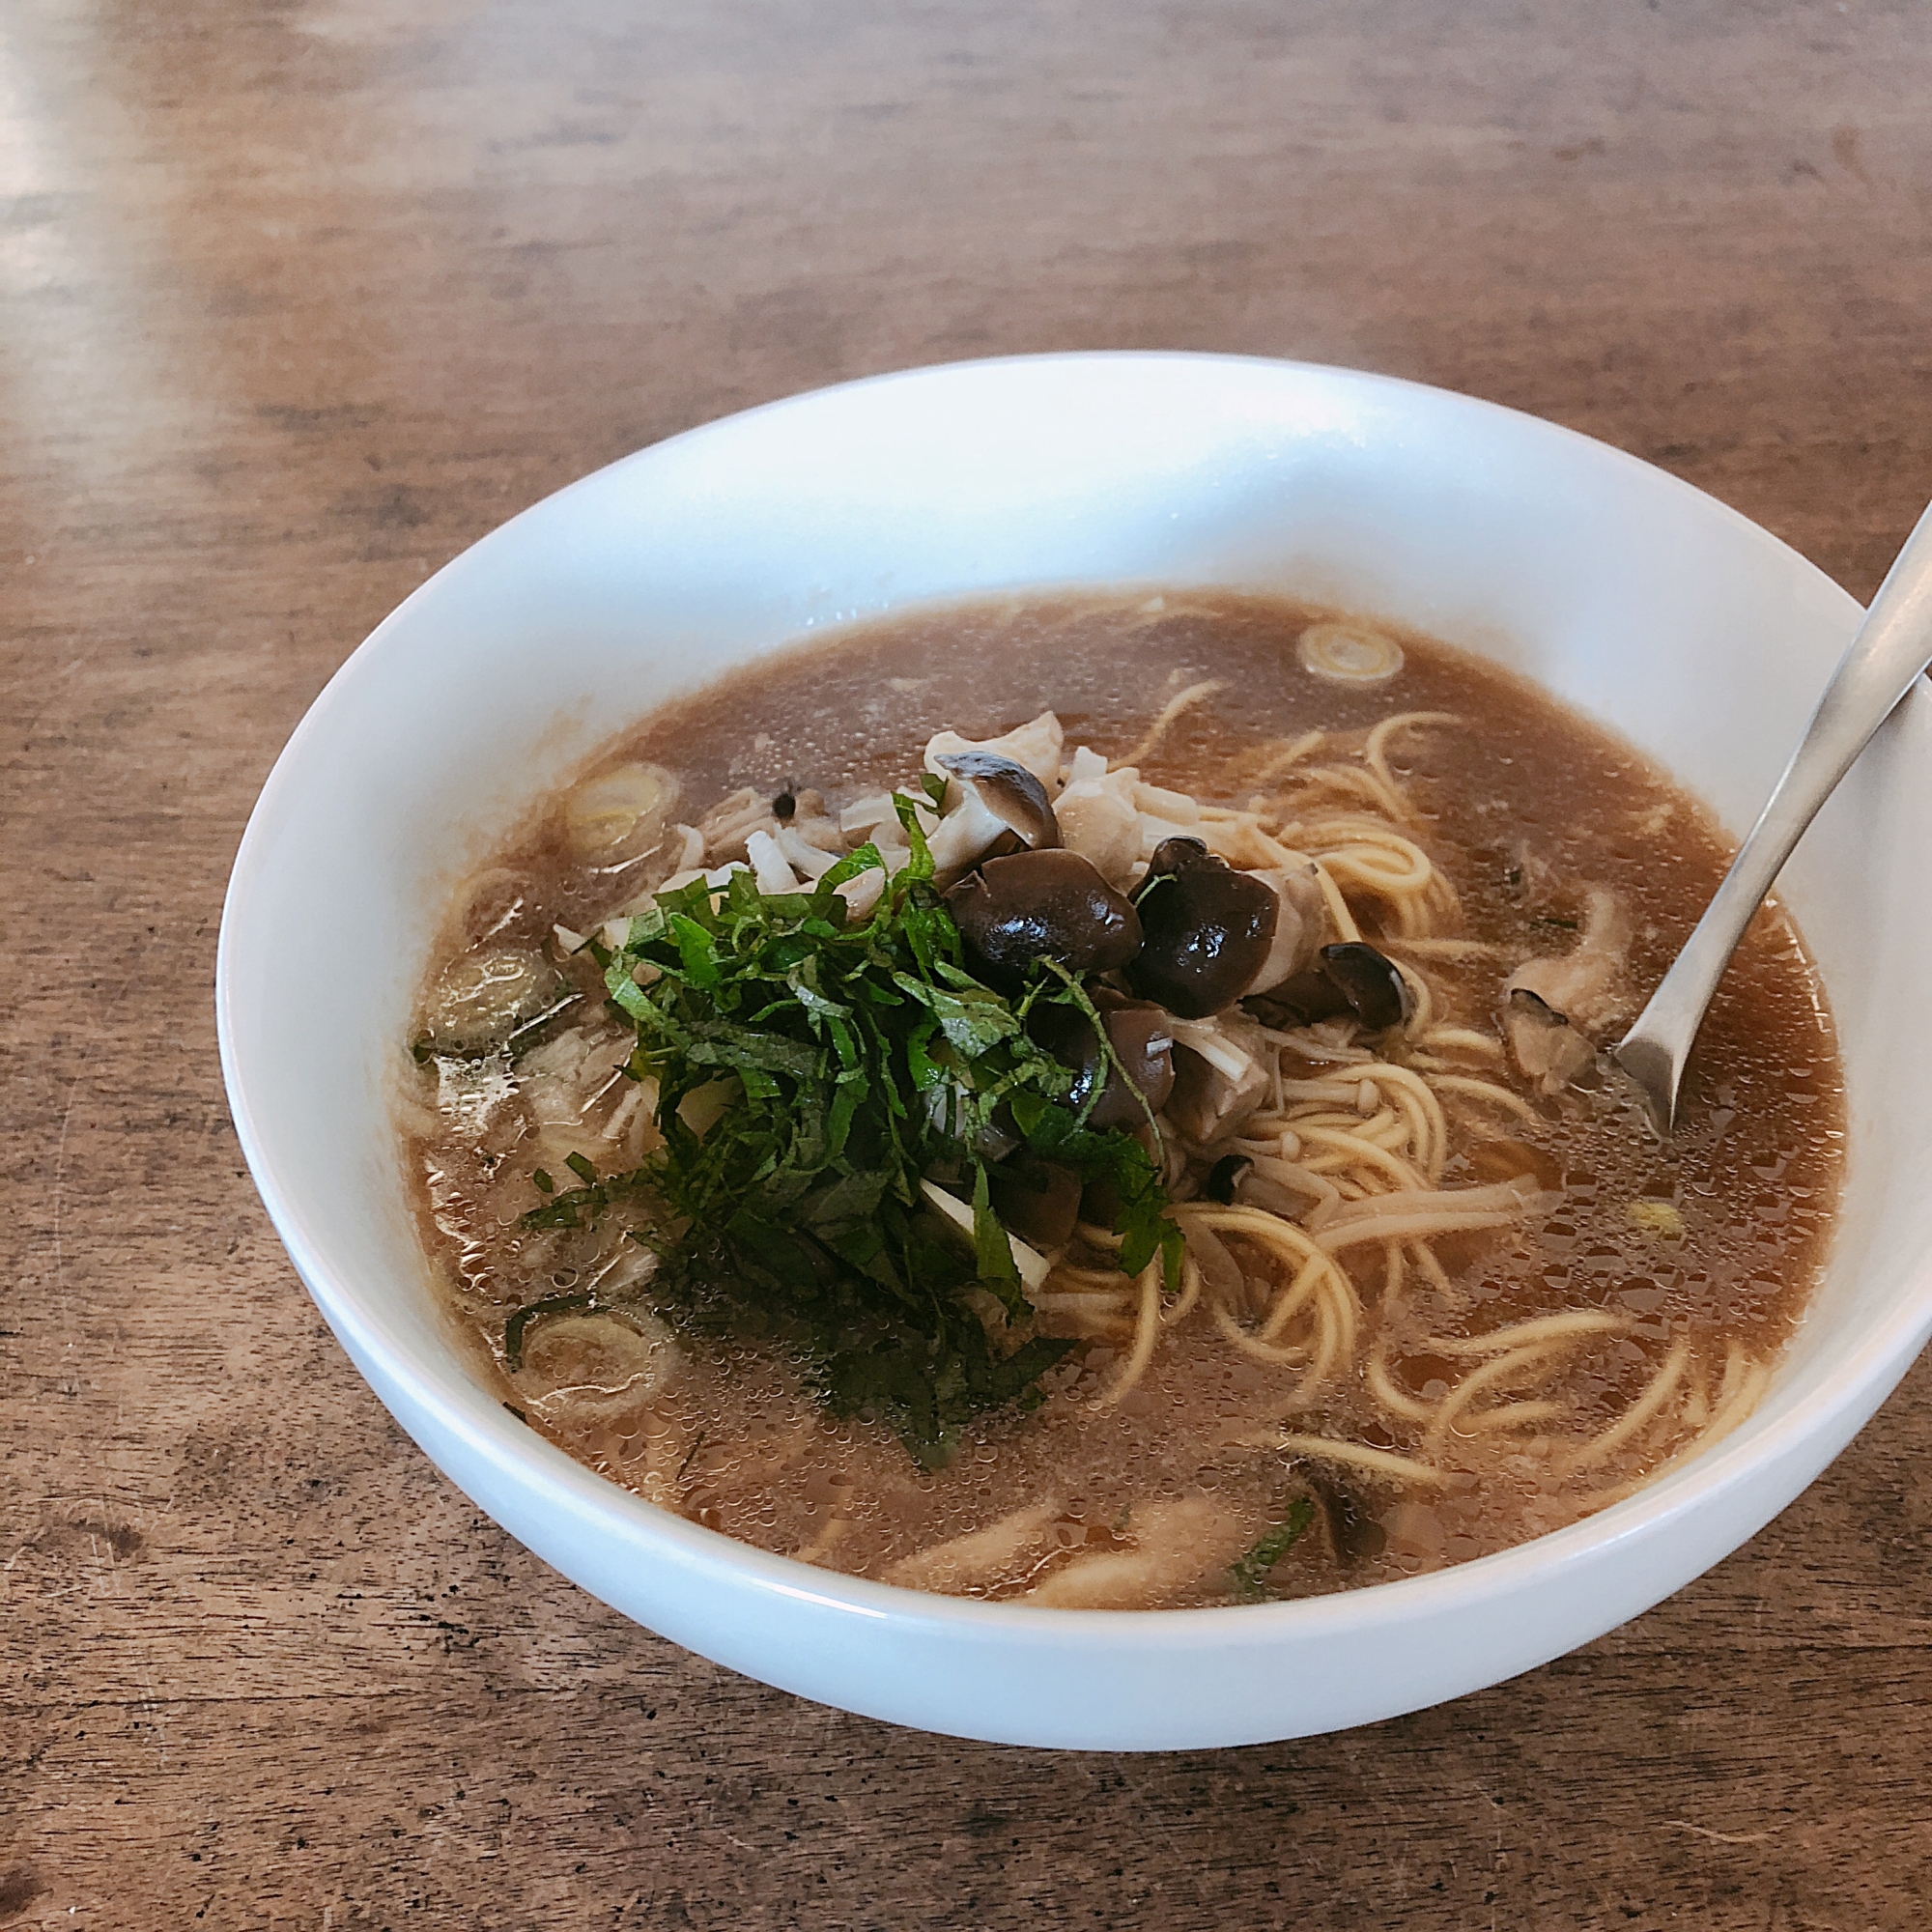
(1098, 818)
(865, 818)
(861, 893)
(1214, 1045)
(719, 878)
(1176, 808)
(730, 822)
(1216, 1081)
(965, 832)
(769, 865)
(1300, 922)
(809, 860)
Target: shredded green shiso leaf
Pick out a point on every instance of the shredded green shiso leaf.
(1249, 1571)
(836, 1065)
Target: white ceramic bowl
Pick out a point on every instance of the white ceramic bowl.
(1647, 605)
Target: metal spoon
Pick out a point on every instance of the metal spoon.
(1892, 646)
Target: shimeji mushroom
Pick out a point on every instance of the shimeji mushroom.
(1037, 1200)
(1219, 1077)
(1037, 745)
(1126, 1084)
(1301, 917)
(1547, 1048)
(1349, 976)
(1549, 1002)
(990, 799)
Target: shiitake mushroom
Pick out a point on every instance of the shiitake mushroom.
(1048, 904)
(1206, 930)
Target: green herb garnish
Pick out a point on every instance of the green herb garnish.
(830, 1066)
(517, 1042)
(578, 1207)
(1250, 1571)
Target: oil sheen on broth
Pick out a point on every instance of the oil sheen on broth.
(1553, 1307)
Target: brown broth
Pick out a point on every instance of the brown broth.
(1525, 809)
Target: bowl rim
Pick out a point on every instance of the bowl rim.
(446, 1393)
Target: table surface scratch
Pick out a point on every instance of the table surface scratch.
(299, 298)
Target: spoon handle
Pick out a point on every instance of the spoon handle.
(1892, 646)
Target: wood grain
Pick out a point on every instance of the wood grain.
(295, 301)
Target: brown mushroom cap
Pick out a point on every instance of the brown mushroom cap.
(1142, 1038)
(1049, 905)
(1370, 982)
(1037, 1200)
(1352, 977)
(1009, 791)
(1205, 929)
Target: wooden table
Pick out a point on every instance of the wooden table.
(296, 299)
